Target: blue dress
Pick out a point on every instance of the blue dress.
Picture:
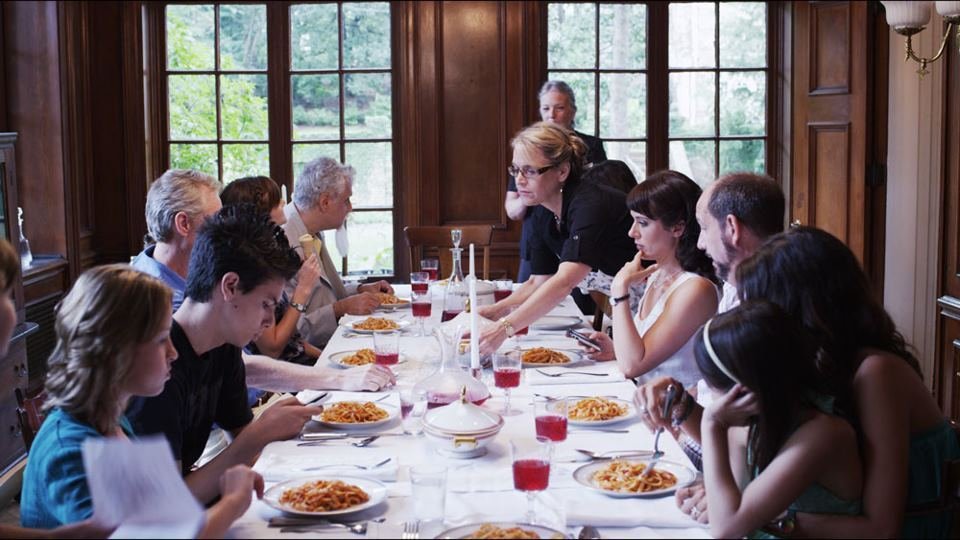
(928, 451)
(55, 490)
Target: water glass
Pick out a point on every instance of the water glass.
(421, 304)
(506, 374)
(386, 348)
(504, 287)
(419, 281)
(429, 484)
(413, 403)
(550, 418)
(531, 469)
(431, 266)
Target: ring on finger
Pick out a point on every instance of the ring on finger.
(694, 512)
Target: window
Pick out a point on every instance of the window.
(698, 104)
(333, 83)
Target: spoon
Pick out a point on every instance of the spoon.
(361, 467)
(365, 442)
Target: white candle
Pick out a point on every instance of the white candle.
(472, 271)
(474, 321)
(283, 193)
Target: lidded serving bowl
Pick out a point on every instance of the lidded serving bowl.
(461, 429)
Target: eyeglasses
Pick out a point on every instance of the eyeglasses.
(527, 172)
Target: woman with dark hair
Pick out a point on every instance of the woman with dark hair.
(576, 228)
(261, 191)
(769, 429)
(613, 173)
(681, 292)
(904, 438)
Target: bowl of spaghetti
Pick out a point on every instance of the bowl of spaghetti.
(503, 529)
(543, 356)
(377, 324)
(598, 411)
(325, 495)
(624, 478)
(356, 414)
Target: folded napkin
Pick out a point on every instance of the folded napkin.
(279, 468)
(602, 511)
(468, 508)
(536, 378)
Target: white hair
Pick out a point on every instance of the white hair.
(177, 190)
(322, 175)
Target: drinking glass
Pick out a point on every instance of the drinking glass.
(504, 287)
(431, 266)
(413, 403)
(550, 418)
(429, 484)
(531, 469)
(422, 304)
(386, 348)
(506, 374)
(419, 281)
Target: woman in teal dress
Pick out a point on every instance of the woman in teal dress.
(904, 437)
(767, 429)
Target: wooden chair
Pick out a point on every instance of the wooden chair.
(30, 415)
(603, 308)
(439, 237)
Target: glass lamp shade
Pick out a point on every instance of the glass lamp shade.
(908, 17)
(949, 10)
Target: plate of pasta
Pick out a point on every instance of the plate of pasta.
(377, 324)
(543, 356)
(356, 358)
(502, 529)
(598, 411)
(623, 478)
(325, 495)
(390, 302)
(356, 414)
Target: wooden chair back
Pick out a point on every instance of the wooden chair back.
(949, 500)
(30, 415)
(438, 236)
(603, 308)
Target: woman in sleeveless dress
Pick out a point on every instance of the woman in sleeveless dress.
(680, 292)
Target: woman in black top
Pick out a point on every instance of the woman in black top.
(577, 228)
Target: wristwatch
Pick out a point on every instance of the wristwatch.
(507, 326)
(302, 308)
(619, 299)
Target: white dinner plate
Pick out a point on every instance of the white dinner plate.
(466, 531)
(556, 322)
(375, 490)
(402, 323)
(597, 423)
(684, 474)
(572, 354)
(337, 359)
(392, 412)
(394, 307)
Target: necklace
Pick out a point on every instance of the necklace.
(664, 280)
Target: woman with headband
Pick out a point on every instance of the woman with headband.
(770, 428)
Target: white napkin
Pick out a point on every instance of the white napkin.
(279, 468)
(467, 508)
(537, 379)
(602, 511)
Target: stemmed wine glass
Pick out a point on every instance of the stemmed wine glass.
(531, 469)
(506, 374)
(419, 281)
(421, 303)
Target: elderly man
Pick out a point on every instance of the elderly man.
(737, 213)
(177, 204)
(321, 201)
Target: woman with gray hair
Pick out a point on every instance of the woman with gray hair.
(558, 105)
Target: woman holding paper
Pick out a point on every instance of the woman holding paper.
(113, 343)
(578, 228)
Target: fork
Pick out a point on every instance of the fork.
(562, 373)
(361, 467)
(355, 528)
(411, 530)
(657, 453)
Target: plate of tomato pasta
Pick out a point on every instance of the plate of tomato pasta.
(325, 495)
(598, 411)
(356, 414)
(623, 478)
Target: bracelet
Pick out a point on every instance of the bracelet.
(302, 308)
(619, 299)
(508, 328)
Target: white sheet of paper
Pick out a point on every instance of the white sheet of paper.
(136, 486)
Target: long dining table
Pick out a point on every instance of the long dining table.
(479, 489)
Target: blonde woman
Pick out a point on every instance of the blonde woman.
(577, 228)
(113, 343)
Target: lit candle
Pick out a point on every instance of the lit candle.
(472, 272)
(474, 321)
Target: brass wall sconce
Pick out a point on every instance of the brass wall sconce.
(908, 18)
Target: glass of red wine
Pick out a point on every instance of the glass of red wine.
(386, 348)
(550, 418)
(432, 267)
(503, 289)
(531, 469)
(421, 303)
(506, 374)
(419, 281)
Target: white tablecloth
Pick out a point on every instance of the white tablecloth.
(481, 489)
